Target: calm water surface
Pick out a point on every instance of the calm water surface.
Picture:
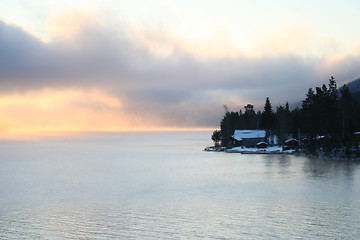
(163, 186)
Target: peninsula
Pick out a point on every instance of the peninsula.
(327, 123)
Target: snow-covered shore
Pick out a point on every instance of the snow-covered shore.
(268, 150)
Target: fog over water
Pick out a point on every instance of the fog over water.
(161, 185)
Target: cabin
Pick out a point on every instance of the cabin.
(248, 138)
(357, 136)
(305, 141)
(291, 143)
(321, 140)
(261, 145)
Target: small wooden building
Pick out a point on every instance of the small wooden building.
(248, 138)
(357, 136)
(291, 143)
(305, 141)
(261, 145)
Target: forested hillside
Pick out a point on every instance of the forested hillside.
(354, 87)
(326, 111)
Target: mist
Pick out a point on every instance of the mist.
(178, 88)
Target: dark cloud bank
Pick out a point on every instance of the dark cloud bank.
(180, 89)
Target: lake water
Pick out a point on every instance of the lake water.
(163, 186)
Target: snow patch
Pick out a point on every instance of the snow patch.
(269, 150)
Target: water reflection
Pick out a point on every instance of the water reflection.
(330, 168)
(281, 166)
(112, 187)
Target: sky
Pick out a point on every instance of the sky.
(106, 65)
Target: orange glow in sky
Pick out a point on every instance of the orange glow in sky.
(61, 111)
(68, 110)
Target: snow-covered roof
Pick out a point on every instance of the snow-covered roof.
(291, 140)
(248, 134)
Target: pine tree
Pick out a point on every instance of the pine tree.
(268, 119)
(216, 137)
(282, 122)
(347, 110)
(249, 118)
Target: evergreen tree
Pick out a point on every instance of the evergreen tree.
(230, 122)
(228, 125)
(308, 112)
(333, 109)
(249, 118)
(258, 119)
(268, 119)
(349, 113)
(296, 122)
(283, 122)
(216, 137)
(320, 110)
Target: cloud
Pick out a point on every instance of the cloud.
(67, 25)
(157, 86)
(291, 38)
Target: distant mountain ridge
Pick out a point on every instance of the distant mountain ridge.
(354, 86)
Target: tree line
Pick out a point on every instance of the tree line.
(326, 111)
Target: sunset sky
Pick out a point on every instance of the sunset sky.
(112, 65)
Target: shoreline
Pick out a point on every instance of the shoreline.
(268, 150)
(279, 150)
(245, 150)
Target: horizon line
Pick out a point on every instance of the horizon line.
(21, 135)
